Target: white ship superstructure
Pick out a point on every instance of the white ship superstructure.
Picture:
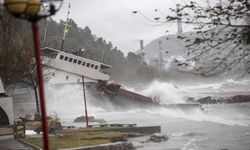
(63, 67)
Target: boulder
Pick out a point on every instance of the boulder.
(90, 119)
(157, 138)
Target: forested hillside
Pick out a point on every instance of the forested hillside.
(78, 38)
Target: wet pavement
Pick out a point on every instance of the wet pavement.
(12, 144)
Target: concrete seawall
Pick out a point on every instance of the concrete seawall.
(111, 146)
(140, 130)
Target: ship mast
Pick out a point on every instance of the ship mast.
(66, 29)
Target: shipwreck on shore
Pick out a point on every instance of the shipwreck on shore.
(66, 68)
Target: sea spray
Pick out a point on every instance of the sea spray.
(167, 93)
(67, 102)
(217, 87)
(163, 92)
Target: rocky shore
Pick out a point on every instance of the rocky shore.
(224, 99)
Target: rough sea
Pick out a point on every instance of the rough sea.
(215, 127)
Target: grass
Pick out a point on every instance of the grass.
(77, 138)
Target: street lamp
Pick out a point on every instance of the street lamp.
(33, 7)
(29, 10)
(16, 7)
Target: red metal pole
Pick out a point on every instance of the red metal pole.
(85, 103)
(40, 84)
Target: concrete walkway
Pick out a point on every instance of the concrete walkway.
(12, 144)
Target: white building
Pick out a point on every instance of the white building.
(6, 107)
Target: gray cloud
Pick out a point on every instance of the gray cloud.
(114, 20)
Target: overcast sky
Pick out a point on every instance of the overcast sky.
(114, 21)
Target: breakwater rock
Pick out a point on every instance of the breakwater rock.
(90, 119)
(226, 99)
(157, 138)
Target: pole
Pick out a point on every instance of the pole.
(142, 52)
(85, 103)
(102, 56)
(45, 33)
(179, 24)
(40, 84)
(160, 54)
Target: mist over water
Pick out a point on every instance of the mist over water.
(67, 101)
(168, 92)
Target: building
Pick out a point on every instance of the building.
(6, 107)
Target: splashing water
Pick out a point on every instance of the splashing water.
(163, 92)
(67, 101)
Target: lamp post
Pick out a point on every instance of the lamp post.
(29, 10)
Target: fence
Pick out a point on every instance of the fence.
(18, 130)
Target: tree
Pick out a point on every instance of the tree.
(222, 34)
(27, 74)
(17, 65)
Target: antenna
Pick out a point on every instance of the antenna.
(179, 24)
(66, 29)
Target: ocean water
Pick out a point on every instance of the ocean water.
(217, 126)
